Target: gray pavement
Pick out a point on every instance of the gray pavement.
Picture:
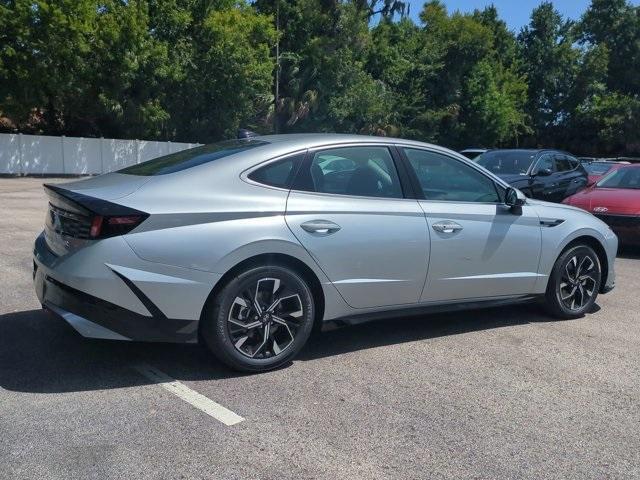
(499, 393)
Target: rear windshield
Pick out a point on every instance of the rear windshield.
(507, 162)
(192, 157)
(628, 177)
(597, 168)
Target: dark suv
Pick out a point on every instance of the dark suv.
(549, 175)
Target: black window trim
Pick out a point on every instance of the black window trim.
(405, 186)
(415, 182)
(245, 174)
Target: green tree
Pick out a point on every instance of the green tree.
(493, 112)
(226, 74)
(550, 62)
(615, 24)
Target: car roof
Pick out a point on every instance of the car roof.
(311, 140)
(526, 150)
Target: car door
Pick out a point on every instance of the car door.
(479, 246)
(565, 176)
(576, 175)
(545, 187)
(347, 208)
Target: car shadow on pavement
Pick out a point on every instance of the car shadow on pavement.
(400, 330)
(40, 353)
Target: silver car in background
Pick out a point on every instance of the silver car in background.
(248, 244)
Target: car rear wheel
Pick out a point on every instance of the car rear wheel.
(574, 283)
(260, 320)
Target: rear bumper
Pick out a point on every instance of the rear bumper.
(96, 317)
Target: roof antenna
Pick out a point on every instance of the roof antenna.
(244, 133)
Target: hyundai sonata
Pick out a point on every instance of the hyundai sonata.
(245, 245)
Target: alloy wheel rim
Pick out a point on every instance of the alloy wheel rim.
(264, 318)
(578, 282)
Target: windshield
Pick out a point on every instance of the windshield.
(597, 168)
(628, 177)
(190, 158)
(507, 162)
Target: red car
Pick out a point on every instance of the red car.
(615, 200)
(598, 169)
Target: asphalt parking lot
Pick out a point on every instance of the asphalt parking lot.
(499, 393)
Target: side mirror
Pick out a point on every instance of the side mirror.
(544, 172)
(514, 198)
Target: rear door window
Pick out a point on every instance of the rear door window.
(358, 171)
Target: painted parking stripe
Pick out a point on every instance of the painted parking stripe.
(190, 396)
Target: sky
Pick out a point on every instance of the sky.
(515, 12)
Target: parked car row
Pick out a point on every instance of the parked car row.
(607, 188)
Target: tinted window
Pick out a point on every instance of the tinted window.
(279, 173)
(563, 164)
(191, 157)
(546, 163)
(445, 178)
(507, 162)
(575, 163)
(360, 171)
(628, 177)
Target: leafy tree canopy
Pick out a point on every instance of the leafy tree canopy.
(196, 70)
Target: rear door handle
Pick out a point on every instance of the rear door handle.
(446, 226)
(321, 227)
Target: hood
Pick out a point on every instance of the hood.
(612, 201)
(559, 206)
(109, 186)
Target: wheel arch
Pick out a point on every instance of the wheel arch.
(281, 259)
(597, 246)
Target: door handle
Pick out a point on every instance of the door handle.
(446, 226)
(322, 227)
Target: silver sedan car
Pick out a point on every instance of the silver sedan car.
(247, 245)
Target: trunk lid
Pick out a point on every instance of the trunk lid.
(80, 214)
(110, 186)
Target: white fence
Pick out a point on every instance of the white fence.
(37, 154)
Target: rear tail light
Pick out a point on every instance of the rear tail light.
(75, 215)
(107, 226)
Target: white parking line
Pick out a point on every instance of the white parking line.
(190, 396)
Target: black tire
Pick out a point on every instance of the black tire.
(574, 283)
(254, 338)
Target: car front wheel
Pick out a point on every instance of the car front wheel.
(261, 319)
(574, 283)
